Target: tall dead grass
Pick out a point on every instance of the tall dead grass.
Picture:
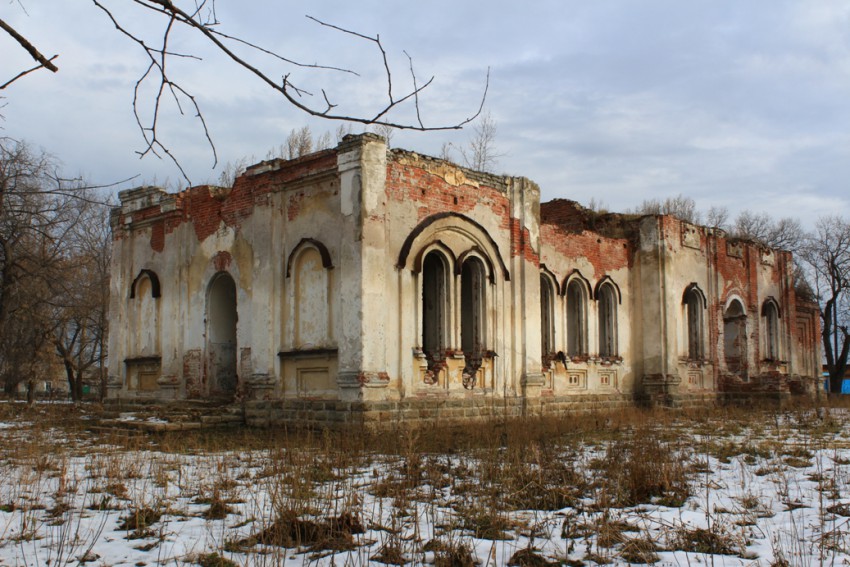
(469, 481)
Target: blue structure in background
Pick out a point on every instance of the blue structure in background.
(845, 385)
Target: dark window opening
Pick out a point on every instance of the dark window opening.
(434, 301)
(472, 317)
(576, 319)
(694, 313)
(607, 304)
(547, 321)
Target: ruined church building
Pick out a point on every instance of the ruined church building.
(362, 283)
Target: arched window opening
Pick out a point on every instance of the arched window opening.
(434, 309)
(576, 319)
(694, 308)
(735, 338)
(221, 334)
(607, 309)
(472, 317)
(771, 323)
(547, 320)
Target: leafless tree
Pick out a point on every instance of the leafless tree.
(386, 132)
(446, 151)
(323, 142)
(680, 206)
(597, 205)
(81, 316)
(717, 217)
(342, 131)
(37, 213)
(198, 18)
(480, 153)
(827, 253)
(298, 143)
(783, 234)
(231, 171)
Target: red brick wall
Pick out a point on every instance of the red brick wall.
(206, 212)
(604, 254)
(431, 193)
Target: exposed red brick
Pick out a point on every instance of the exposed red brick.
(207, 212)
(222, 261)
(158, 236)
(606, 255)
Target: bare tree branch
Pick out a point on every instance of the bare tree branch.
(30, 48)
(199, 17)
(286, 87)
(24, 73)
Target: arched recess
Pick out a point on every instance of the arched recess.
(694, 305)
(429, 230)
(770, 318)
(577, 293)
(735, 337)
(309, 242)
(154, 283)
(607, 298)
(548, 287)
(435, 306)
(221, 334)
(311, 287)
(144, 293)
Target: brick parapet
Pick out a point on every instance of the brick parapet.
(207, 207)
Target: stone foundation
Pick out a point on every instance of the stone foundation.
(335, 414)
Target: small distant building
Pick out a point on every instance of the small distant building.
(364, 283)
(845, 383)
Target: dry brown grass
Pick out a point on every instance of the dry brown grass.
(481, 474)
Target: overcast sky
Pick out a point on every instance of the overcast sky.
(739, 104)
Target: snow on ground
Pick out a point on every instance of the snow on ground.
(772, 493)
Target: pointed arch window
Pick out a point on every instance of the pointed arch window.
(434, 306)
(576, 318)
(770, 315)
(735, 338)
(473, 309)
(547, 318)
(694, 306)
(607, 311)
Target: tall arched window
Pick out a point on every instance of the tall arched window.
(576, 318)
(735, 338)
(770, 314)
(547, 318)
(607, 310)
(694, 304)
(473, 313)
(434, 306)
(221, 334)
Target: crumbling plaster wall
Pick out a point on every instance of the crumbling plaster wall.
(570, 253)
(675, 255)
(327, 255)
(247, 231)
